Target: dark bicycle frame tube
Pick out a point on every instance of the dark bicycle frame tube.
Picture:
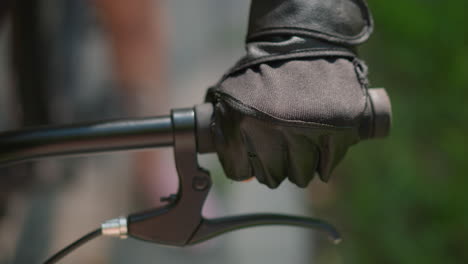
(29, 144)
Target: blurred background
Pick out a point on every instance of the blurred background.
(399, 200)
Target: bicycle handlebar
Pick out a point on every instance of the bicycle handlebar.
(106, 136)
(189, 131)
(98, 137)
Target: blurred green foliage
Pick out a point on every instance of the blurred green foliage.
(404, 199)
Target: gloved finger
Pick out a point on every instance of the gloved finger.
(266, 154)
(331, 153)
(326, 158)
(303, 157)
(230, 144)
(236, 164)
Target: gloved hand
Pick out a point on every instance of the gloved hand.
(298, 99)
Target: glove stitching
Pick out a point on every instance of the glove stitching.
(360, 69)
(303, 53)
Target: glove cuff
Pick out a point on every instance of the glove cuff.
(347, 22)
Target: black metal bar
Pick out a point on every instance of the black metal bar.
(29, 144)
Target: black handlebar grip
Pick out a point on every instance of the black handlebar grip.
(382, 113)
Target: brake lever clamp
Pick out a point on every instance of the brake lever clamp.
(180, 222)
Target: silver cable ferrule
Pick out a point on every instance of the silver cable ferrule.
(116, 227)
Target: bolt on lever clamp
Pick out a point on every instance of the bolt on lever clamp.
(180, 222)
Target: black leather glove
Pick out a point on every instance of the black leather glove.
(298, 99)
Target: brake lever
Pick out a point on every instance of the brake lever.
(180, 222)
(210, 228)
